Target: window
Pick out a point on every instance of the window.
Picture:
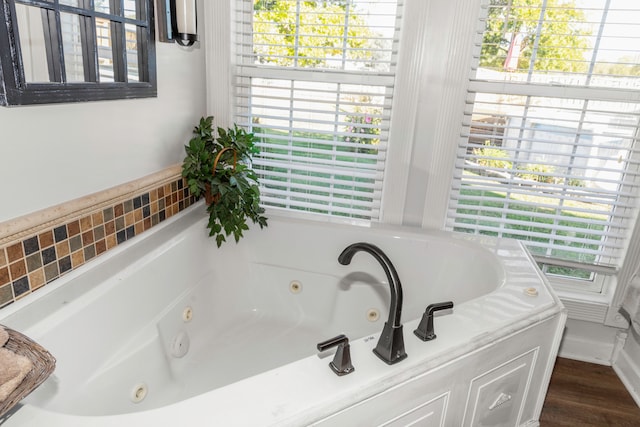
(314, 82)
(549, 152)
(76, 50)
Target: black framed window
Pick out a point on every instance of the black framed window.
(76, 50)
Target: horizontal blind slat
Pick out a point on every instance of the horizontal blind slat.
(607, 200)
(280, 200)
(327, 76)
(289, 162)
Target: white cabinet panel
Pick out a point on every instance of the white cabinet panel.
(496, 397)
(409, 405)
(429, 414)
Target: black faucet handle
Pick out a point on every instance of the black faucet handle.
(425, 329)
(341, 363)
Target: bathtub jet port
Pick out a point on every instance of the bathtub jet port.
(139, 392)
(187, 314)
(295, 287)
(373, 314)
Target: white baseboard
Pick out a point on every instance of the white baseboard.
(627, 366)
(587, 339)
(588, 342)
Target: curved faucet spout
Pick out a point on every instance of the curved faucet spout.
(395, 287)
(390, 346)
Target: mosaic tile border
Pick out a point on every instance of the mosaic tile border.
(33, 261)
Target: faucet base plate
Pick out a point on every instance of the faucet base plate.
(340, 372)
(390, 347)
(390, 362)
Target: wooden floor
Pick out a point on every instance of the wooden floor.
(585, 395)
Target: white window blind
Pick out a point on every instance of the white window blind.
(314, 82)
(549, 150)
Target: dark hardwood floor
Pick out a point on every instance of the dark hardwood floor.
(585, 395)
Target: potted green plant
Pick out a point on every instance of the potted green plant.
(220, 169)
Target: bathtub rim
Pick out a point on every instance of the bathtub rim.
(192, 215)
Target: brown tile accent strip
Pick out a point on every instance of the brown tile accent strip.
(19, 228)
(34, 260)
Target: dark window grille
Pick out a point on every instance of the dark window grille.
(76, 50)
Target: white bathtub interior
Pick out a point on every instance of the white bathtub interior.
(161, 320)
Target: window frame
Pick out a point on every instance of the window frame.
(15, 90)
(477, 85)
(246, 71)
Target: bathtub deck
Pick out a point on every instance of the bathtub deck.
(587, 395)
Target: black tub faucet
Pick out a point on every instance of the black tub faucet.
(390, 347)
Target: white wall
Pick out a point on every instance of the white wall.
(51, 154)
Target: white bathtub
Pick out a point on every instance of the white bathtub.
(248, 317)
